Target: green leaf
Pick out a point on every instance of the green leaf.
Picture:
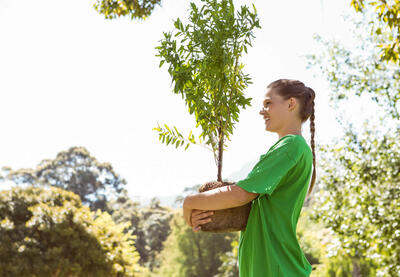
(204, 69)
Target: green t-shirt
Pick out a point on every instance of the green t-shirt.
(268, 247)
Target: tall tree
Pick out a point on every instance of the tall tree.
(156, 229)
(387, 19)
(133, 8)
(77, 171)
(150, 225)
(207, 72)
(359, 192)
(123, 209)
(48, 232)
(189, 254)
(359, 71)
(229, 259)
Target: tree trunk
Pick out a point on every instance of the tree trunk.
(220, 152)
(356, 268)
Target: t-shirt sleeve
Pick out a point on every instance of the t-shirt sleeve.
(270, 170)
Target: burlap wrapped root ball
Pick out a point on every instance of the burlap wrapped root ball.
(226, 220)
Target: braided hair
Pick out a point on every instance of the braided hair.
(287, 88)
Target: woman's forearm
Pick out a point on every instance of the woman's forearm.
(219, 198)
(187, 212)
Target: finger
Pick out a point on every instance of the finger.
(203, 215)
(195, 218)
(196, 212)
(200, 217)
(201, 221)
(196, 228)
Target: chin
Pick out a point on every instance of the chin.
(269, 129)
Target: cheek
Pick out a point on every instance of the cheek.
(272, 110)
(277, 110)
(276, 114)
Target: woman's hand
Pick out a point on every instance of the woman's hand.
(199, 217)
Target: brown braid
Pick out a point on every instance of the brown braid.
(293, 88)
(312, 131)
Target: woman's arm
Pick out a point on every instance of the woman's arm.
(217, 199)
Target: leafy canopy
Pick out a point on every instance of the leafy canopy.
(386, 12)
(133, 8)
(358, 197)
(48, 232)
(205, 69)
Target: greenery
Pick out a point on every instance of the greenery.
(151, 226)
(135, 9)
(100, 187)
(187, 253)
(72, 215)
(358, 196)
(48, 232)
(358, 71)
(206, 71)
(386, 19)
(77, 171)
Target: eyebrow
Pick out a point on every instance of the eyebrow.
(268, 99)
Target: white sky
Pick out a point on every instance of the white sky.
(68, 77)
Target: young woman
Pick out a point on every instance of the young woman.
(277, 187)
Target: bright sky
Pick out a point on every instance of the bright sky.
(69, 77)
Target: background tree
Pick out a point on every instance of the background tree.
(133, 8)
(150, 225)
(359, 71)
(77, 171)
(206, 70)
(230, 266)
(359, 192)
(156, 229)
(3, 173)
(191, 254)
(48, 232)
(124, 209)
(386, 13)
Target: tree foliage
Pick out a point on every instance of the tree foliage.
(359, 197)
(77, 171)
(230, 265)
(358, 193)
(206, 71)
(48, 232)
(156, 229)
(319, 245)
(150, 225)
(133, 8)
(358, 71)
(388, 14)
(191, 254)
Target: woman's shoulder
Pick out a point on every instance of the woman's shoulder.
(293, 145)
(289, 140)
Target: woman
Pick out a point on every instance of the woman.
(277, 187)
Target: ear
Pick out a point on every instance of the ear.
(292, 103)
